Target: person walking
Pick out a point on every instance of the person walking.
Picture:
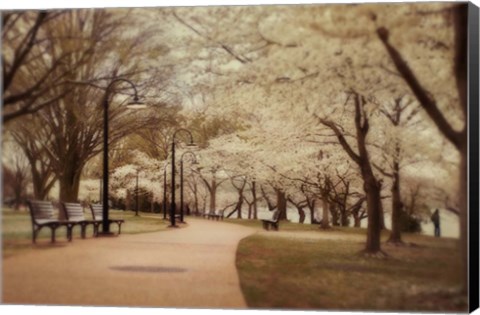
(436, 222)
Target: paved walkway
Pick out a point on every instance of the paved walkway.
(192, 267)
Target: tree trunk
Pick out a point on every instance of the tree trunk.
(395, 235)
(325, 220)
(204, 206)
(69, 185)
(254, 195)
(19, 188)
(356, 221)
(334, 213)
(240, 203)
(40, 192)
(195, 197)
(372, 191)
(152, 206)
(301, 214)
(213, 195)
(371, 185)
(311, 206)
(196, 204)
(343, 216)
(281, 204)
(40, 180)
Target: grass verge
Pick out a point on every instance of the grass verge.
(280, 271)
(17, 229)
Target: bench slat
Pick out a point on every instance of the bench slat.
(43, 214)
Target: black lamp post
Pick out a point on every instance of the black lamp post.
(135, 104)
(181, 180)
(172, 208)
(100, 191)
(165, 191)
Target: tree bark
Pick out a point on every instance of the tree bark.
(281, 204)
(343, 216)
(325, 220)
(334, 213)
(311, 206)
(240, 189)
(372, 191)
(69, 183)
(301, 214)
(43, 177)
(41, 183)
(213, 195)
(356, 221)
(254, 195)
(240, 203)
(395, 235)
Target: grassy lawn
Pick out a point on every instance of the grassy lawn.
(284, 226)
(325, 272)
(17, 229)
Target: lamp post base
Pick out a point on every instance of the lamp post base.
(173, 226)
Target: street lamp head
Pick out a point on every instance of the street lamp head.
(136, 104)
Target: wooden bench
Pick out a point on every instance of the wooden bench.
(97, 215)
(43, 214)
(74, 213)
(273, 222)
(215, 216)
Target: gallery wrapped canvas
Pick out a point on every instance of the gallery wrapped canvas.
(255, 157)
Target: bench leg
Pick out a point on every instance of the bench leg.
(84, 229)
(53, 229)
(275, 226)
(119, 228)
(34, 235)
(95, 229)
(69, 232)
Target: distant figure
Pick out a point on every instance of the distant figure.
(436, 222)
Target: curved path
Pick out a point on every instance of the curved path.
(191, 267)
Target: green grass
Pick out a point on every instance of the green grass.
(328, 274)
(17, 229)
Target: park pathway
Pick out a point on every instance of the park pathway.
(189, 267)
